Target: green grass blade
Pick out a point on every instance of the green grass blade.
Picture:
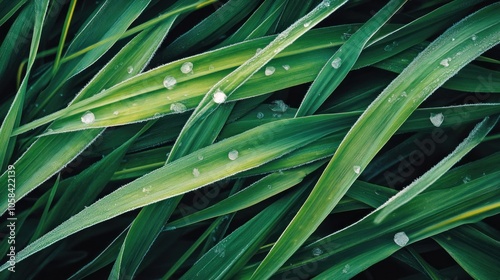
(60, 150)
(9, 8)
(254, 147)
(235, 250)
(474, 250)
(475, 137)
(13, 118)
(266, 187)
(436, 64)
(342, 61)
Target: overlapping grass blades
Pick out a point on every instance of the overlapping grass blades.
(190, 139)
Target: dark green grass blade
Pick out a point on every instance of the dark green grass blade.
(474, 250)
(422, 77)
(60, 150)
(13, 118)
(255, 147)
(475, 137)
(342, 61)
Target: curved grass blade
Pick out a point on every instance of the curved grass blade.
(227, 257)
(475, 137)
(265, 188)
(474, 250)
(211, 28)
(436, 64)
(254, 147)
(9, 8)
(13, 118)
(345, 253)
(59, 150)
(108, 21)
(149, 223)
(342, 61)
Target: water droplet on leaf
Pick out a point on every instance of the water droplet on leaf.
(169, 82)
(88, 117)
(187, 67)
(437, 119)
(233, 154)
(178, 107)
(401, 239)
(269, 70)
(337, 62)
(219, 97)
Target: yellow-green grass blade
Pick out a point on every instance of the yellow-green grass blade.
(474, 250)
(432, 175)
(340, 64)
(13, 118)
(149, 223)
(139, 164)
(231, 253)
(221, 160)
(131, 101)
(436, 64)
(50, 154)
(263, 189)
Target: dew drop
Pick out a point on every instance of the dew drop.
(196, 172)
(187, 67)
(445, 62)
(233, 155)
(169, 82)
(466, 179)
(286, 67)
(437, 119)
(403, 94)
(219, 97)
(317, 251)
(337, 62)
(146, 190)
(116, 113)
(357, 169)
(346, 269)
(258, 50)
(474, 37)
(269, 70)
(326, 3)
(156, 115)
(307, 24)
(88, 117)
(388, 48)
(401, 239)
(278, 106)
(260, 115)
(178, 107)
(130, 69)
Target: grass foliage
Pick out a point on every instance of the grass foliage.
(238, 139)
